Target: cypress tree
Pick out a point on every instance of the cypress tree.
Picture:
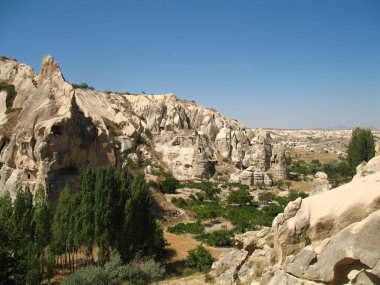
(361, 147)
(86, 215)
(43, 220)
(5, 238)
(141, 233)
(61, 223)
(23, 235)
(105, 214)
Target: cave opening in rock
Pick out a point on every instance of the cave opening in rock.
(57, 130)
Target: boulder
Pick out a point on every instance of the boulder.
(367, 168)
(320, 183)
(337, 243)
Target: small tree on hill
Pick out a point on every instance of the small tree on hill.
(199, 259)
(361, 147)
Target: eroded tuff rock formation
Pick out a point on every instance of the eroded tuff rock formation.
(320, 183)
(329, 238)
(50, 132)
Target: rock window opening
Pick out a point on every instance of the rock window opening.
(57, 130)
(24, 147)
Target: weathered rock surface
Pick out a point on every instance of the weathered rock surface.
(320, 184)
(367, 168)
(59, 130)
(330, 238)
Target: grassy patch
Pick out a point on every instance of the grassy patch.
(192, 228)
(221, 238)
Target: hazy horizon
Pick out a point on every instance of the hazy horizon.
(268, 64)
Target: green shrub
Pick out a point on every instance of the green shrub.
(209, 188)
(272, 210)
(169, 184)
(219, 238)
(339, 172)
(199, 259)
(231, 185)
(114, 273)
(243, 218)
(294, 194)
(207, 210)
(191, 228)
(82, 85)
(264, 197)
(179, 202)
(240, 197)
(361, 147)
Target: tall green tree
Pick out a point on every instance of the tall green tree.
(43, 221)
(361, 147)
(142, 234)
(107, 197)
(6, 256)
(62, 224)
(86, 215)
(23, 235)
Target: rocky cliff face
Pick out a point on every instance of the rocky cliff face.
(328, 238)
(50, 132)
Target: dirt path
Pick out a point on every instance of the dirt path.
(180, 245)
(196, 279)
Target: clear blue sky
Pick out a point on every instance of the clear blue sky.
(284, 63)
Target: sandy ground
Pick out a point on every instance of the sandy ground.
(309, 156)
(180, 245)
(196, 279)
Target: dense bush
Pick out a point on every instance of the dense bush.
(169, 184)
(114, 273)
(240, 197)
(207, 210)
(339, 172)
(209, 188)
(191, 228)
(267, 196)
(219, 238)
(361, 147)
(179, 202)
(83, 85)
(243, 218)
(199, 259)
(231, 185)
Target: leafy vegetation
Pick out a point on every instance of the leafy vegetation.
(82, 85)
(239, 210)
(209, 188)
(239, 197)
(169, 184)
(106, 213)
(219, 238)
(191, 228)
(114, 272)
(199, 259)
(339, 172)
(361, 147)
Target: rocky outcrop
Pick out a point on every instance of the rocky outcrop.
(53, 131)
(53, 141)
(265, 161)
(367, 168)
(320, 183)
(329, 238)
